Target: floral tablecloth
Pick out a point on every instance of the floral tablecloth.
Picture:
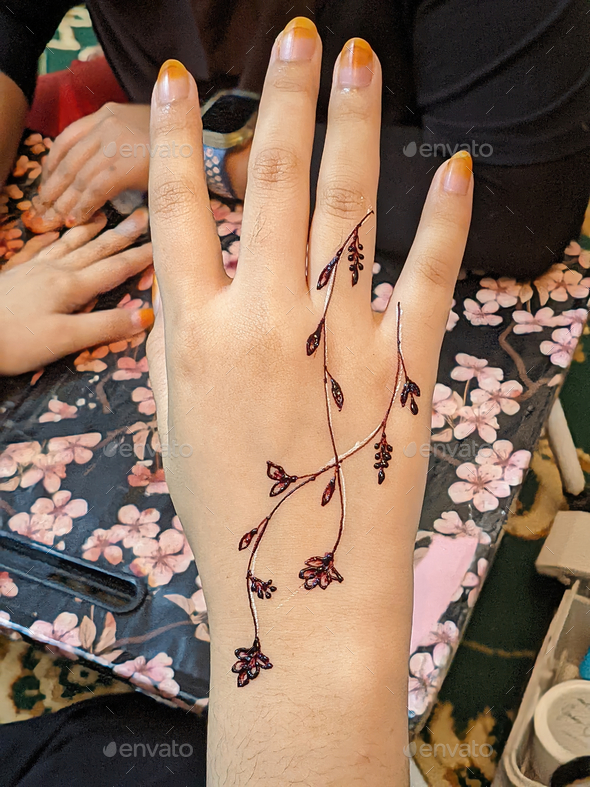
(81, 471)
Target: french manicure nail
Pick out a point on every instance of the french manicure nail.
(173, 82)
(458, 174)
(142, 318)
(298, 41)
(356, 64)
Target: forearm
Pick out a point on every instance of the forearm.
(333, 709)
(13, 108)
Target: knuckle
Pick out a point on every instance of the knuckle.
(170, 200)
(286, 83)
(342, 201)
(351, 110)
(273, 167)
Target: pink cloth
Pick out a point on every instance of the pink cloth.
(437, 577)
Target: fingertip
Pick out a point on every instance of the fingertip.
(174, 83)
(142, 319)
(458, 174)
(135, 224)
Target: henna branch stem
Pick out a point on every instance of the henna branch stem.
(320, 571)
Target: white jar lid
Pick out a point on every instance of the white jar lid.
(562, 726)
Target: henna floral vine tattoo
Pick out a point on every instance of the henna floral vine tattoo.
(320, 571)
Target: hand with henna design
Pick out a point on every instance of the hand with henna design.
(282, 381)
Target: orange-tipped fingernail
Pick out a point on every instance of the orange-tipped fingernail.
(356, 64)
(299, 40)
(143, 318)
(458, 174)
(156, 299)
(173, 82)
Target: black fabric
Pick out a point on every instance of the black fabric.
(126, 739)
(510, 82)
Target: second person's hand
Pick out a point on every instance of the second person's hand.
(42, 295)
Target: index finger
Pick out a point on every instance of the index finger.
(187, 252)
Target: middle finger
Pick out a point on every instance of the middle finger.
(277, 196)
(349, 174)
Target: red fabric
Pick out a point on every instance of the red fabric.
(65, 96)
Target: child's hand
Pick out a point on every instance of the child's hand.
(95, 159)
(42, 289)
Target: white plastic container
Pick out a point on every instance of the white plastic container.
(569, 634)
(562, 727)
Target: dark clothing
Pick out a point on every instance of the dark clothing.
(512, 79)
(121, 739)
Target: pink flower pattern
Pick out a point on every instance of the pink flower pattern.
(160, 560)
(8, 587)
(482, 314)
(483, 485)
(58, 411)
(481, 419)
(149, 675)
(529, 323)
(469, 367)
(445, 403)
(135, 525)
(64, 630)
(561, 348)
(494, 397)
(103, 543)
(502, 454)
(422, 683)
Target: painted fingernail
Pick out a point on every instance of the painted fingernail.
(156, 299)
(298, 41)
(458, 174)
(356, 64)
(142, 318)
(173, 82)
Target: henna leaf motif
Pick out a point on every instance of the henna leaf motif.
(329, 491)
(247, 538)
(324, 276)
(250, 662)
(410, 390)
(337, 394)
(278, 474)
(313, 341)
(355, 257)
(262, 589)
(320, 572)
(383, 457)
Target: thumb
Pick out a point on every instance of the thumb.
(75, 332)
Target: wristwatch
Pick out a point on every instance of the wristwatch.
(228, 124)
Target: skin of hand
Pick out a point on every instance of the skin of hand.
(45, 287)
(13, 105)
(231, 377)
(93, 160)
